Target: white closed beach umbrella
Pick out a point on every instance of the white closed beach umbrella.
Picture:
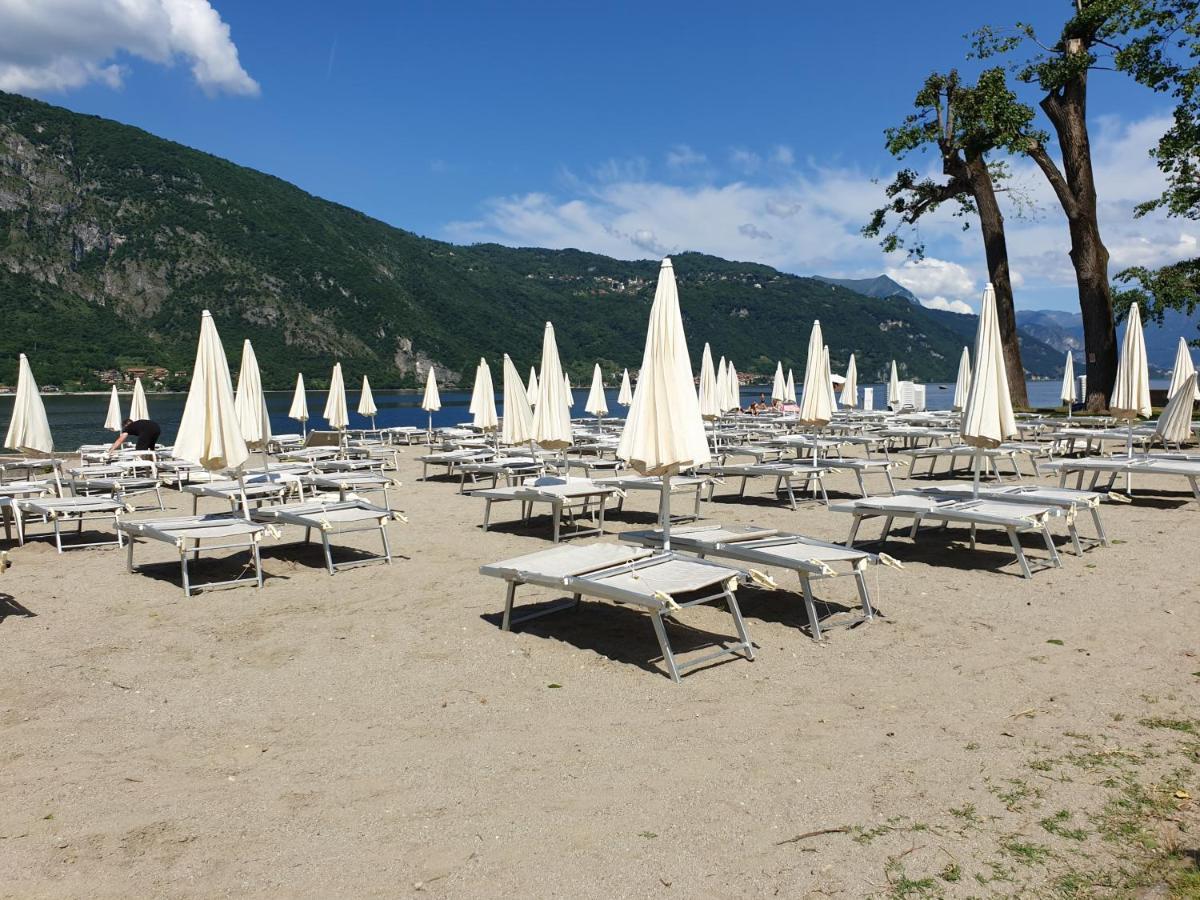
(431, 402)
(1067, 394)
(209, 432)
(625, 395)
(962, 384)
(779, 385)
(987, 419)
(850, 385)
(475, 390)
(531, 388)
(829, 380)
(710, 404)
(336, 413)
(28, 429)
(250, 403)
(893, 393)
(815, 408)
(722, 376)
(1183, 368)
(1131, 393)
(789, 392)
(664, 433)
(551, 414)
(1175, 423)
(299, 409)
(735, 387)
(485, 418)
(518, 414)
(138, 408)
(366, 402)
(596, 403)
(113, 421)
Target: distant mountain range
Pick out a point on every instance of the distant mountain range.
(113, 240)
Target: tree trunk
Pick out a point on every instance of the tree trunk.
(1067, 111)
(991, 224)
(973, 175)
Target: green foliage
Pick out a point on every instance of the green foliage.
(121, 239)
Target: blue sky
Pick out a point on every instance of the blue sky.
(633, 129)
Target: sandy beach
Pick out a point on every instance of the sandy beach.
(377, 734)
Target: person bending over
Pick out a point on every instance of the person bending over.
(146, 432)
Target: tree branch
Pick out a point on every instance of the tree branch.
(1062, 190)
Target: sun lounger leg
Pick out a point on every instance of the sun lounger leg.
(1016, 545)
(328, 552)
(129, 555)
(791, 494)
(509, 595)
(1100, 527)
(183, 566)
(660, 632)
(1054, 559)
(1074, 532)
(387, 546)
(862, 488)
(821, 485)
(1195, 487)
(864, 595)
(600, 523)
(487, 511)
(972, 535)
(739, 623)
(854, 531)
(810, 607)
(257, 561)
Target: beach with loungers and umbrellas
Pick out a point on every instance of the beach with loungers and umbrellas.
(599, 451)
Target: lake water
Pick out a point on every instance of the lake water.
(79, 419)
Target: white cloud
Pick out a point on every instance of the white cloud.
(782, 155)
(58, 45)
(955, 306)
(682, 158)
(806, 218)
(932, 277)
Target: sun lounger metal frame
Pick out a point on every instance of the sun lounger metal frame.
(119, 486)
(762, 546)
(782, 472)
(680, 484)
(57, 510)
(194, 530)
(588, 579)
(1129, 466)
(1020, 519)
(351, 482)
(315, 515)
(259, 492)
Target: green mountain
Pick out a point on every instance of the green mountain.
(112, 241)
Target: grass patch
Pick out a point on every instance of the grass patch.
(1026, 852)
(1185, 725)
(1059, 824)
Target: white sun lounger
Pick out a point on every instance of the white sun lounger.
(28, 466)
(1068, 501)
(1013, 518)
(510, 468)
(10, 493)
(349, 483)
(680, 484)
(191, 535)
(808, 557)
(341, 517)
(451, 458)
(661, 583)
(963, 453)
(59, 510)
(265, 490)
(784, 473)
(562, 495)
(1130, 466)
(112, 481)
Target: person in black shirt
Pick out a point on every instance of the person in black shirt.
(146, 432)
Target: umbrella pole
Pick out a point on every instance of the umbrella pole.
(975, 483)
(429, 432)
(664, 512)
(1129, 442)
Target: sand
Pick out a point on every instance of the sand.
(377, 734)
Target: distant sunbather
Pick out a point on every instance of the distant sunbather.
(146, 431)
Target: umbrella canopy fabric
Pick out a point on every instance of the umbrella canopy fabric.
(790, 389)
(829, 380)
(1131, 394)
(987, 419)
(664, 432)
(484, 417)
(779, 385)
(1183, 368)
(962, 384)
(475, 390)
(138, 408)
(1175, 423)
(336, 413)
(596, 404)
(518, 414)
(815, 408)
(299, 410)
(250, 403)
(209, 433)
(893, 395)
(722, 377)
(625, 395)
(735, 387)
(850, 385)
(710, 403)
(366, 401)
(531, 387)
(551, 413)
(113, 420)
(1067, 393)
(29, 429)
(432, 401)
